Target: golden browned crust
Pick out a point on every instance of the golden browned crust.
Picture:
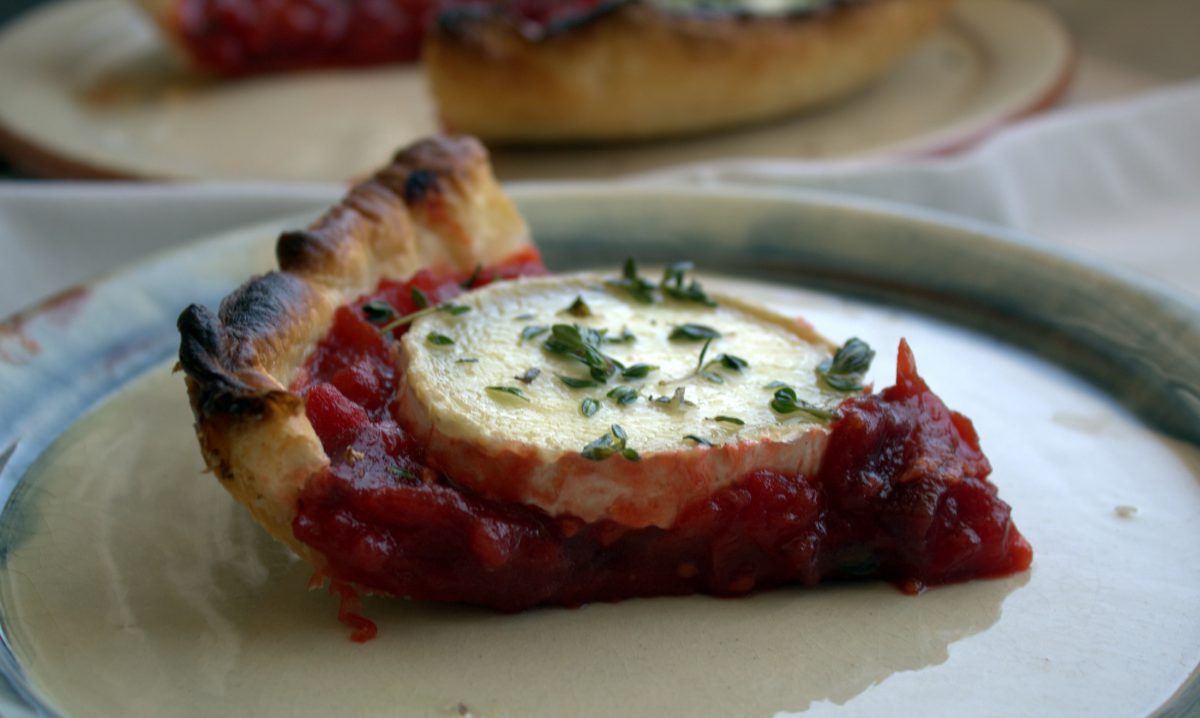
(640, 72)
(436, 205)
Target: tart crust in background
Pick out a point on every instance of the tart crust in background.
(639, 72)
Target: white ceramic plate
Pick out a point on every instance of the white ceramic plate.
(130, 584)
(90, 90)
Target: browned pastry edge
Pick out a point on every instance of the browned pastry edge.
(638, 72)
(436, 205)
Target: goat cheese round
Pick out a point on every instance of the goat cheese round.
(570, 394)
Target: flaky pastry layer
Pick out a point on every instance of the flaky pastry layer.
(436, 205)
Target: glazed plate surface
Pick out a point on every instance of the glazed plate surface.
(131, 585)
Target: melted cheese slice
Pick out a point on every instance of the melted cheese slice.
(460, 397)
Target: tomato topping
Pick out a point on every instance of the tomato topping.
(902, 494)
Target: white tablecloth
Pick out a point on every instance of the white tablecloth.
(1117, 182)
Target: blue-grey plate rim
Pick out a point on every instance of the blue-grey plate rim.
(1116, 329)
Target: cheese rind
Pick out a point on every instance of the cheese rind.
(528, 448)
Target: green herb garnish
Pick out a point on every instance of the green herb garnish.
(693, 333)
(467, 360)
(844, 371)
(588, 407)
(729, 361)
(703, 352)
(638, 288)
(611, 443)
(455, 309)
(672, 285)
(577, 383)
(470, 281)
(439, 340)
(419, 298)
(637, 371)
(579, 308)
(509, 390)
(378, 312)
(786, 402)
(623, 395)
(729, 420)
(583, 345)
(698, 440)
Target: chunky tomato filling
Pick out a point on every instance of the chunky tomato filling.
(902, 495)
(239, 37)
(242, 37)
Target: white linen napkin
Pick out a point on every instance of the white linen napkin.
(1117, 182)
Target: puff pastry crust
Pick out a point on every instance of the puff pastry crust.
(436, 205)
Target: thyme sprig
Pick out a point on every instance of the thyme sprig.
(583, 345)
(673, 285)
(454, 309)
(641, 290)
(693, 333)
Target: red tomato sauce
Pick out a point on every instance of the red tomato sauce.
(241, 37)
(902, 495)
(244, 37)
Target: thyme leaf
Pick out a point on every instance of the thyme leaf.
(439, 340)
(378, 312)
(845, 369)
(693, 333)
(673, 285)
(470, 281)
(419, 298)
(729, 420)
(588, 407)
(509, 390)
(577, 383)
(579, 308)
(638, 288)
(623, 395)
(786, 402)
(698, 440)
(614, 442)
(637, 371)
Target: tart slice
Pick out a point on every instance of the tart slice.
(414, 408)
(533, 71)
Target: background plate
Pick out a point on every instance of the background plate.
(90, 90)
(131, 585)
